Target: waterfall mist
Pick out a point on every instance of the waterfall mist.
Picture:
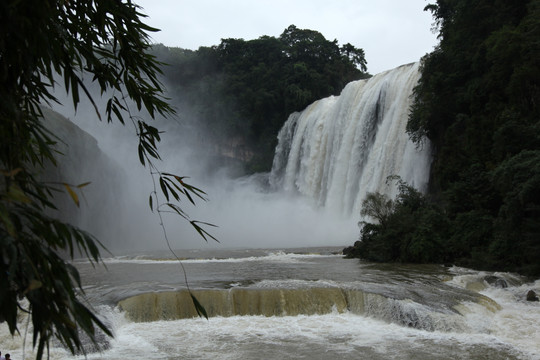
(245, 213)
(328, 157)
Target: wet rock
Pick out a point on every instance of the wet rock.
(531, 296)
(496, 281)
(476, 286)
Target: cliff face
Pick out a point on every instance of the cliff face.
(80, 160)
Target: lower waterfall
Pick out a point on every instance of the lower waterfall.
(342, 147)
(302, 301)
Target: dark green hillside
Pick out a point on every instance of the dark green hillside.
(478, 101)
(242, 91)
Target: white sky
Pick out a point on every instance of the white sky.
(391, 32)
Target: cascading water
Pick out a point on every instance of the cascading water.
(340, 148)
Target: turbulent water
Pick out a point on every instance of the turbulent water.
(303, 304)
(340, 148)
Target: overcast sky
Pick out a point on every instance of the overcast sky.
(391, 32)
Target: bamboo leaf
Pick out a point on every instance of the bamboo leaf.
(141, 154)
(80, 186)
(189, 197)
(4, 217)
(178, 210)
(170, 187)
(203, 233)
(163, 188)
(81, 84)
(11, 173)
(201, 311)
(72, 193)
(118, 114)
(15, 193)
(34, 284)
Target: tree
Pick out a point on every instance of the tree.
(356, 56)
(408, 229)
(74, 42)
(242, 91)
(377, 206)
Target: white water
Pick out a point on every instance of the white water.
(340, 148)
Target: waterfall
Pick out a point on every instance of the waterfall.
(342, 147)
(171, 305)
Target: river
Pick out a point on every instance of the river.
(306, 303)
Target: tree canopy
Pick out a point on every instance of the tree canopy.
(46, 44)
(242, 91)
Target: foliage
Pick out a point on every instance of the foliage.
(243, 91)
(73, 42)
(377, 206)
(477, 101)
(408, 229)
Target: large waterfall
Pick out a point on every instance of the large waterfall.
(341, 147)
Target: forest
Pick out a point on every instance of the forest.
(478, 102)
(240, 92)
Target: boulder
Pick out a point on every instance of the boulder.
(531, 296)
(496, 281)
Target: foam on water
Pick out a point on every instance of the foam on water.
(272, 256)
(343, 336)
(516, 321)
(295, 284)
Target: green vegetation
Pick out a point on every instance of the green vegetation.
(408, 229)
(478, 101)
(241, 92)
(43, 42)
